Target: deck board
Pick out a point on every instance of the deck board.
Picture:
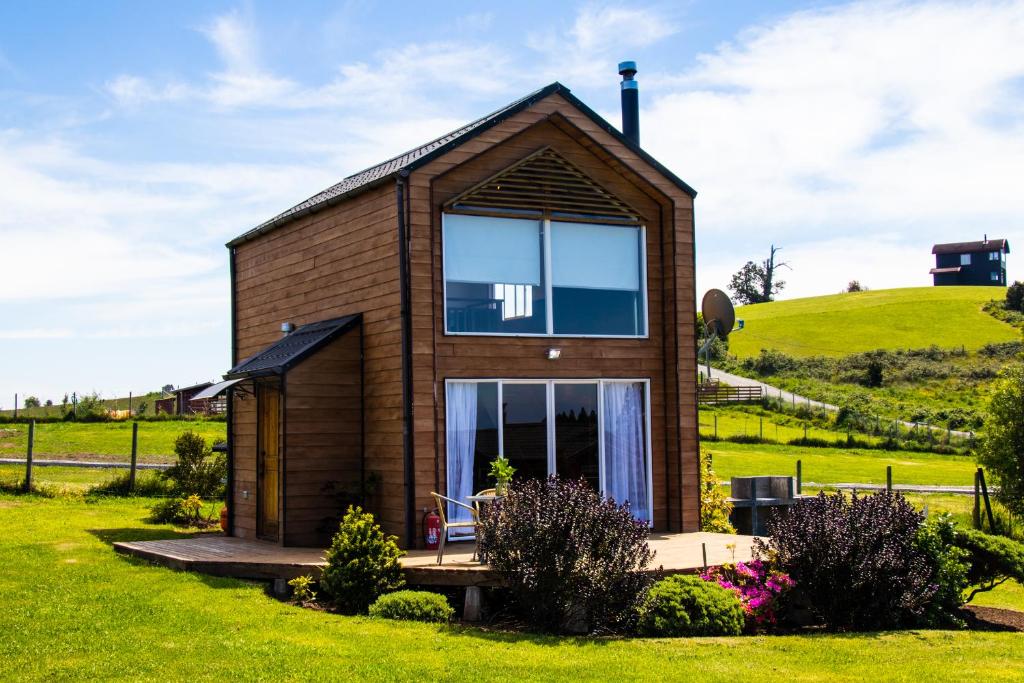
(246, 559)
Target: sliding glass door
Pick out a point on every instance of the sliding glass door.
(595, 430)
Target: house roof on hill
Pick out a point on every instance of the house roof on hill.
(414, 158)
(293, 348)
(969, 247)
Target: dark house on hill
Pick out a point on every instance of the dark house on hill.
(521, 286)
(971, 263)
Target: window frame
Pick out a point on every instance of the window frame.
(549, 393)
(965, 259)
(545, 225)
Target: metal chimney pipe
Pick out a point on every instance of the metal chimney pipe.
(630, 102)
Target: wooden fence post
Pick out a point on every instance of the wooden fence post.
(988, 503)
(28, 456)
(135, 455)
(716, 425)
(799, 477)
(888, 478)
(762, 429)
(977, 499)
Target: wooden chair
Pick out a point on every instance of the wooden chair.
(442, 511)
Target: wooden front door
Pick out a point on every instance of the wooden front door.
(268, 462)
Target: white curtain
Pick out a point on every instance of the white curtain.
(626, 476)
(461, 440)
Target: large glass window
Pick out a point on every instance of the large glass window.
(591, 429)
(494, 275)
(576, 440)
(525, 428)
(509, 276)
(595, 276)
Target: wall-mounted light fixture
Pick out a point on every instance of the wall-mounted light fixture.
(554, 354)
(287, 328)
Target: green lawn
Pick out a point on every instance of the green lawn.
(726, 421)
(840, 465)
(74, 609)
(841, 324)
(72, 477)
(110, 439)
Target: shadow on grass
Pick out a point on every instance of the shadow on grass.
(111, 536)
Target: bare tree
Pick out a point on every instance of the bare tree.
(755, 283)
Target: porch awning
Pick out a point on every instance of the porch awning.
(943, 271)
(215, 389)
(280, 356)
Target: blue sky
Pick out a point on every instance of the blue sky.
(136, 138)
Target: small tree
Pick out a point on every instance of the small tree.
(855, 286)
(49, 403)
(1015, 296)
(755, 283)
(32, 402)
(1002, 448)
(197, 471)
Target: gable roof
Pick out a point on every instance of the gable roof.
(288, 351)
(969, 247)
(403, 164)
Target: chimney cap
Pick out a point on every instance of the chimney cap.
(627, 70)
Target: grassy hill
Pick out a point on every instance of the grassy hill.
(841, 324)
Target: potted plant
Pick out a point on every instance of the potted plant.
(501, 472)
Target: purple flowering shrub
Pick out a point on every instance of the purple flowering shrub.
(574, 560)
(760, 588)
(856, 560)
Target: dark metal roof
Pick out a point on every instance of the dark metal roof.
(288, 351)
(404, 163)
(970, 247)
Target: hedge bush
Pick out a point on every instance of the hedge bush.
(574, 560)
(856, 560)
(690, 606)
(413, 606)
(993, 559)
(362, 563)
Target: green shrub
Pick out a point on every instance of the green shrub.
(936, 539)
(690, 606)
(362, 563)
(182, 511)
(574, 560)
(197, 471)
(714, 504)
(302, 589)
(413, 606)
(993, 559)
(147, 484)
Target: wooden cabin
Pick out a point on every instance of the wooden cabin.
(522, 286)
(970, 263)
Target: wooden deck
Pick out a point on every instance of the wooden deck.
(225, 556)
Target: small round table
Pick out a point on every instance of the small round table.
(478, 502)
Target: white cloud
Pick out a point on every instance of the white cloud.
(864, 120)
(600, 35)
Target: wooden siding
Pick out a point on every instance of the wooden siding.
(323, 418)
(344, 259)
(667, 213)
(338, 261)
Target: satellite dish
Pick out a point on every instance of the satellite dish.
(718, 312)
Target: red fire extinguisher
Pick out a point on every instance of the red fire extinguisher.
(431, 530)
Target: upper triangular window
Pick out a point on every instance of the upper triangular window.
(545, 184)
